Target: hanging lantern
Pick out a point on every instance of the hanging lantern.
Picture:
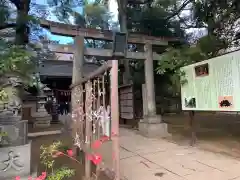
(119, 44)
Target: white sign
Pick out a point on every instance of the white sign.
(212, 85)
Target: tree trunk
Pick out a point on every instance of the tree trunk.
(22, 28)
(21, 38)
(122, 16)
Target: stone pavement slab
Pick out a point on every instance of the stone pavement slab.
(150, 159)
(142, 169)
(213, 174)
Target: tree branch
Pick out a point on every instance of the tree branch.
(10, 25)
(187, 26)
(185, 3)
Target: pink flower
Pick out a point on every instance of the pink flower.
(70, 152)
(97, 159)
(43, 176)
(17, 178)
(30, 178)
(96, 144)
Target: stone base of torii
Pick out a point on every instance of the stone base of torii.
(151, 125)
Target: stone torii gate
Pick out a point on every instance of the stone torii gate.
(151, 125)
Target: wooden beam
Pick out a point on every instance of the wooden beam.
(73, 30)
(65, 52)
(104, 54)
(98, 72)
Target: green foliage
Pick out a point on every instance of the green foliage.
(96, 15)
(3, 95)
(48, 161)
(47, 152)
(4, 12)
(61, 173)
(218, 15)
(210, 45)
(153, 20)
(16, 60)
(3, 134)
(174, 59)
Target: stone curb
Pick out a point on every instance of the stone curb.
(44, 133)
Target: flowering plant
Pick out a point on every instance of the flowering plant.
(48, 156)
(50, 153)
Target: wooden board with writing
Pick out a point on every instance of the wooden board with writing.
(212, 85)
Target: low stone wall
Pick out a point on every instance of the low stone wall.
(15, 161)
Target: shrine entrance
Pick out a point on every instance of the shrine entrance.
(95, 113)
(96, 117)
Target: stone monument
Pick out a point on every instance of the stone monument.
(41, 117)
(15, 149)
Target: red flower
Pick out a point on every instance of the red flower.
(96, 144)
(70, 152)
(17, 178)
(97, 159)
(43, 176)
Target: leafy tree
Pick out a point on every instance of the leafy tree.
(18, 57)
(219, 18)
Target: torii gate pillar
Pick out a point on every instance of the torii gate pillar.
(151, 125)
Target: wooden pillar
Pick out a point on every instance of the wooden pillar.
(149, 80)
(88, 128)
(78, 59)
(77, 74)
(115, 118)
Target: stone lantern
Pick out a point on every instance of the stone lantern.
(15, 149)
(48, 92)
(41, 116)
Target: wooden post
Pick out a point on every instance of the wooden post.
(193, 128)
(77, 74)
(115, 118)
(88, 128)
(78, 59)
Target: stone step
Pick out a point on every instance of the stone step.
(42, 122)
(41, 125)
(43, 119)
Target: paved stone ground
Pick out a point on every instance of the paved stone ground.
(155, 159)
